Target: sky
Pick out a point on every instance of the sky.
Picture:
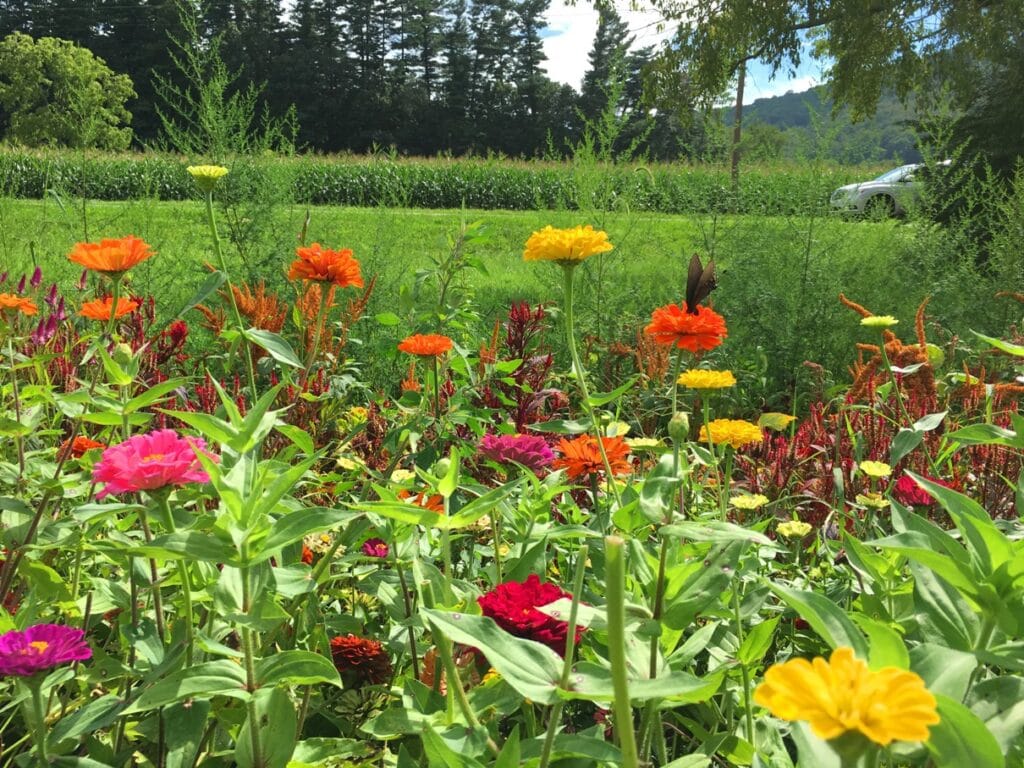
(570, 36)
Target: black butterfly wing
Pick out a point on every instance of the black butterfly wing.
(700, 281)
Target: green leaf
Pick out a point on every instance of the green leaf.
(905, 441)
(211, 284)
(593, 682)
(276, 719)
(757, 642)
(295, 526)
(440, 755)
(320, 749)
(152, 395)
(387, 318)
(598, 399)
(113, 419)
(942, 611)
(298, 436)
(943, 670)
(447, 484)
(296, 668)
(699, 584)
(717, 532)
(999, 702)
(185, 725)
(930, 421)
(850, 750)
(589, 750)
(531, 668)
(961, 739)
(1004, 346)
(276, 346)
(561, 426)
(478, 507)
(187, 545)
(825, 617)
(200, 681)
(887, 647)
(95, 715)
(986, 434)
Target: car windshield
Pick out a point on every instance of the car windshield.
(896, 173)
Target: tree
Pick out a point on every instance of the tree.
(55, 93)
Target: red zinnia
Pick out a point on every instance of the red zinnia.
(513, 606)
(425, 345)
(910, 494)
(673, 325)
(361, 660)
(326, 266)
(581, 456)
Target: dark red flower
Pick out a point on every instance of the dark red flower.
(375, 548)
(360, 660)
(513, 606)
(910, 494)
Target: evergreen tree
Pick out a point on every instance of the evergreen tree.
(607, 60)
(456, 80)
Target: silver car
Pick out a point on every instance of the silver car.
(891, 194)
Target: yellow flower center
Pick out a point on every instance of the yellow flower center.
(35, 648)
(153, 457)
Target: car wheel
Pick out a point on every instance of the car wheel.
(880, 207)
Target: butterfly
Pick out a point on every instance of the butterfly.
(700, 281)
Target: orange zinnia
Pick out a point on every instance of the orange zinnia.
(581, 456)
(79, 446)
(100, 308)
(432, 502)
(426, 345)
(22, 304)
(672, 324)
(111, 255)
(326, 266)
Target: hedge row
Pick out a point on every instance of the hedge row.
(439, 183)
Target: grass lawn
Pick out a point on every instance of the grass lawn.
(778, 276)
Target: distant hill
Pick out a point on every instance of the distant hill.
(801, 125)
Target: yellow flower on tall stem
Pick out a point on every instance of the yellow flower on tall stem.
(699, 378)
(734, 432)
(842, 694)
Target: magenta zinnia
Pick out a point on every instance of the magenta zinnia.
(151, 461)
(531, 451)
(41, 647)
(513, 606)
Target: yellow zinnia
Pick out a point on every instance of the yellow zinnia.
(700, 379)
(842, 694)
(879, 321)
(566, 246)
(875, 468)
(794, 529)
(734, 432)
(207, 176)
(749, 501)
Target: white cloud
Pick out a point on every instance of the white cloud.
(754, 90)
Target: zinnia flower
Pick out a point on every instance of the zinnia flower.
(794, 529)
(701, 379)
(326, 266)
(532, 451)
(734, 432)
(360, 660)
(425, 345)
(581, 456)
(100, 308)
(14, 303)
(910, 494)
(41, 647)
(434, 502)
(207, 176)
(513, 606)
(151, 461)
(111, 255)
(375, 548)
(79, 446)
(842, 694)
(673, 325)
(879, 321)
(749, 501)
(875, 468)
(566, 246)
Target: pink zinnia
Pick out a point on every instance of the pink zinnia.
(529, 450)
(375, 548)
(910, 494)
(148, 462)
(41, 647)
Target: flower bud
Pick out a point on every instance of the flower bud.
(679, 427)
(37, 277)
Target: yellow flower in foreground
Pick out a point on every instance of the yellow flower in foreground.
(794, 529)
(207, 176)
(734, 432)
(879, 321)
(566, 246)
(749, 501)
(842, 694)
(700, 379)
(875, 468)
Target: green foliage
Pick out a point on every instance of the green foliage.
(55, 93)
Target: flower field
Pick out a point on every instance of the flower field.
(222, 548)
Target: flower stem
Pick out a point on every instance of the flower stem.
(581, 379)
(186, 585)
(437, 391)
(18, 439)
(211, 220)
(321, 321)
(615, 572)
(748, 708)
(250, 669)
(39, 721)
(555, 716)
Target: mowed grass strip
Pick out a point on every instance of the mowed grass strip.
(778, 276)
